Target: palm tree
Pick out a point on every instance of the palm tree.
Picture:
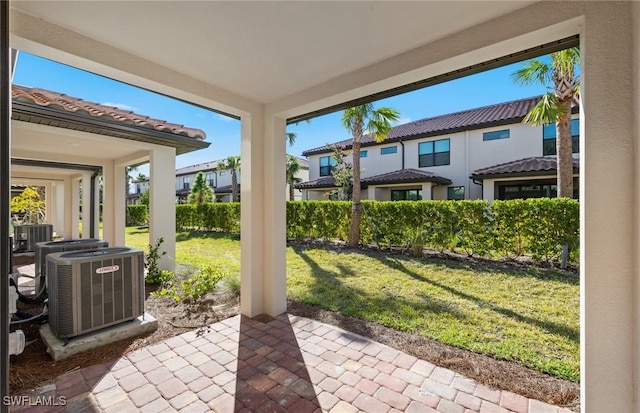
(378, 123)
(555, 106)
(201, 192)
(292, 169)
(232, 163)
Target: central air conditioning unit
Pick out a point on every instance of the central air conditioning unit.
(26, 236)
(90, 290)
(45, 248)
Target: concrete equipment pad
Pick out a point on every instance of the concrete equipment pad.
(59, 351)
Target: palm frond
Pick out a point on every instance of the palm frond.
(565, 61)
(379, 123)
(533, 71)
(291, 138)
(547, 110)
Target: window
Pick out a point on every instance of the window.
(533, 189)
(407, 195)
(455, 193)
(433, 153)
(388, 150)
(222, 173)
(492, 136)
(210, 179)
(549, 137)
(326, 165)
(186, 182)
(363, 154)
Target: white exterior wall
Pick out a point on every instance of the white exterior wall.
(469, 152)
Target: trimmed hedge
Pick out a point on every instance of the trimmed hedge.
(535, 227)
(137, 215)
(222, 216)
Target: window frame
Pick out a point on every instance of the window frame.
(325, 170)
(495, 135)
(389, 150)
(186, 182)
(549, 142)
(405, 192)
(449, 191)
(364, 153)
(427, 159)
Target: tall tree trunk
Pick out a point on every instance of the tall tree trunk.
(356, 207)
(564, 152)
(234, 186)
(291, 192)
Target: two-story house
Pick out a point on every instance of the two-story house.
(481, 153)
(218, 178)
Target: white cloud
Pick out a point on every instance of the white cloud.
(121, 106)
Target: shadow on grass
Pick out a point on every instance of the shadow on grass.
(328, 291)
(554, 328)
(192, 234)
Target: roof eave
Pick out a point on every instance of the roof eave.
(77, 121)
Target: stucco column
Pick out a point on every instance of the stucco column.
(488, 189)
(263, 272)
(426, 191)
(67, 209)
(609, 346)
(162, 203)
(108, 234)
(118, 199)
(86, 202)
(75, 207)
(49, 203)
(371, 193)
(59, 209)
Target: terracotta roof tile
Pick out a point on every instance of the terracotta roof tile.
(502, 113)
(403, 176)
(539, 165)
(55, 100)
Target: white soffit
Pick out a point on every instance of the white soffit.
(265, 50)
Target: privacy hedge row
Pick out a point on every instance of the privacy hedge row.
(536, 227)
(220, 216)
(137, 215)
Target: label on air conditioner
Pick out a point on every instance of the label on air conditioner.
(110, 268)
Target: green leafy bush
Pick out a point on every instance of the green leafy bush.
(201, 283)
(153, 272)
(137, 215)
(220, 216)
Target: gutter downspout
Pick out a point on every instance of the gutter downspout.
(402, 144)
(5, 196)
(92, 209)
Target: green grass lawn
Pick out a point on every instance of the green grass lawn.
(529, 315)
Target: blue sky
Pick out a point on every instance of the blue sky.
(482, 89)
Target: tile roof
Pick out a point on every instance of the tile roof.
(539, 165)
(322, 182)
(499, 114)
(213, 165)
(58, 101)
(402, 176)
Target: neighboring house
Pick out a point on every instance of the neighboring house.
(218, 179)
(481, 153)
(64, 144)
(137, 188)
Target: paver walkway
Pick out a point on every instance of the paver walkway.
(282, 364)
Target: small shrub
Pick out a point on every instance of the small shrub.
(137, 215)
(230, 285)
(151, 262)
(201, 283)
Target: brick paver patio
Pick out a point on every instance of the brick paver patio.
(282, 364)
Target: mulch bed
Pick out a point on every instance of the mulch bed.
(34, 367)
